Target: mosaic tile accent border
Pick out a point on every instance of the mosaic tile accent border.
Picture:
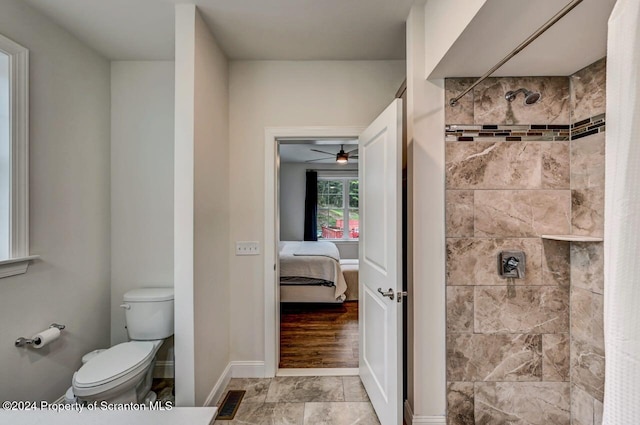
(507, 133)
(524, 133)
(589, 126)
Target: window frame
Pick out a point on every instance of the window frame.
(19, 257)
(345, 179)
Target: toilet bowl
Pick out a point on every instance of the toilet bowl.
(123, 373)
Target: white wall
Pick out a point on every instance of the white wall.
(211, 212)
(142, 113)
(292, 194)
(270, 94)
(446, 20)
(201, 210)
(425, 133)
(69, 211)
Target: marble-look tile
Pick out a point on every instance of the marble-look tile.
(522, 403)
(555, 357)
(556, 265)
(581, 407)
(587, 266)
(521, 213)
(493, 165)
(588, 162)
(346, 413)
(587, 212)
(460, 403)
(494, 357)
(305, 389)
(555, 165)
(597, 412)
(256, 389)
(459, 213)
(491, 107)
(353, 389)
(475, 261)
(462, 113)
(587, 342)
(587, 316)
(521, 309)
(460, 308)
(588, 91)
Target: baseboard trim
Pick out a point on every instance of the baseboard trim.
(247, 369)
(318, 372)
(164, 369)
(235, 369)
(411, 419)
(218, 388)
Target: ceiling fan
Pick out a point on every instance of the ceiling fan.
(342, 157)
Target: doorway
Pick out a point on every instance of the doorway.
(318, 253)
(380, 256)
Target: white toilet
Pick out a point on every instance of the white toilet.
(123, 373)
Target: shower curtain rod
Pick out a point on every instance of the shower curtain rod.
(568, 8)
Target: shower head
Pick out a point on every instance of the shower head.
(529, 97)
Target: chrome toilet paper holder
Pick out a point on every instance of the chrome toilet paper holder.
(21, 342)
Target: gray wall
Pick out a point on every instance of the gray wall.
(292, 194)
(69, 211)
(142, 98)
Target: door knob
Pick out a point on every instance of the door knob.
(389, 293)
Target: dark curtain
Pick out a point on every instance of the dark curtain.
(311, 207)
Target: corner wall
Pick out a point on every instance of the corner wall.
(201, 215)
(211, 213)
(426, 301)
(69, 211)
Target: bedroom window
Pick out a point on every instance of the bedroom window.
(338, 214)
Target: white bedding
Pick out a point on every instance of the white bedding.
(315, 260)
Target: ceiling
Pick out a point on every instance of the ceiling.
(293, 151)
(343, 30)
(577, 40)
(245, 29)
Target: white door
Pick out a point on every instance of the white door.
(380, 318)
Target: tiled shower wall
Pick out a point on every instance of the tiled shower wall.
(587, 266)
(512, 175)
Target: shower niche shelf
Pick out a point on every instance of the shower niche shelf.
(572, 238)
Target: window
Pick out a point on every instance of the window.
(14, 160)
(338, 214)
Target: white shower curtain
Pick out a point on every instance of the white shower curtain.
(622, 218)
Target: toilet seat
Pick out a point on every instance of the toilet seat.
(113, 366)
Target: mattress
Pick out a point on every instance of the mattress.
(307, 266)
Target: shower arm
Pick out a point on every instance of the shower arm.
(568, 8)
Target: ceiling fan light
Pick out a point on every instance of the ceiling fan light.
(342, 157)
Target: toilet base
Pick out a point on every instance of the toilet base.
(133, 391)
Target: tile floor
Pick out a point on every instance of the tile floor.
(313, 400)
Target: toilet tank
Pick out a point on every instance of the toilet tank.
(149, 313)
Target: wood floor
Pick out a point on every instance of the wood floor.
(319, 335)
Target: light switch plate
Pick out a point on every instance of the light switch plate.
(247, 248)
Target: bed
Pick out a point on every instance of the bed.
(310, 272)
